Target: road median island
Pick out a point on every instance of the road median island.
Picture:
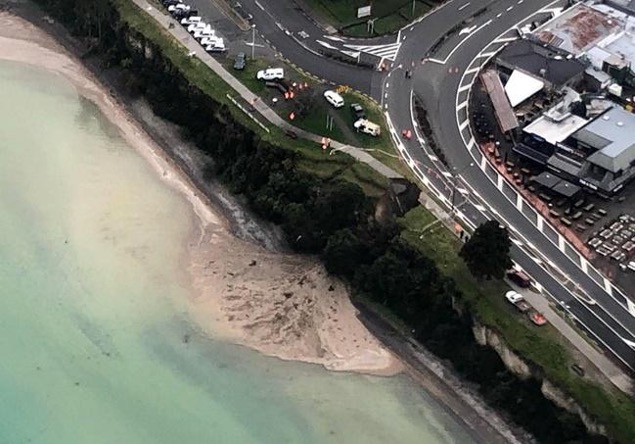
(316, 198)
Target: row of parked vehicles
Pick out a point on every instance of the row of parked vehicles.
(361, 123)
(517, 300)
(195, 25)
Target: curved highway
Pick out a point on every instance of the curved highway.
(444, 51)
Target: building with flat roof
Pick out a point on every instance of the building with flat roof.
(603, 34)
(598, 152)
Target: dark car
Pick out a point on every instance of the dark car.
(240, 61)
(357, 111)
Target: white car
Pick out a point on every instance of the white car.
(270, 74)
(217, 46)
(367, 127)
(186, 21)
(209, 40)
(196, 26)
(180, 6)
(334, 98)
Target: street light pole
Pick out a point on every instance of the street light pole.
(253, 41)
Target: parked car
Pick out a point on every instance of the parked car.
(516, 299)
(537, 318)
(187, 21)
(367, 127)
(218, 46)
(178, 6)
(240, 61)
(334, 98)
(270, 74)
(357, 111)
(196, 26)
(519, 278)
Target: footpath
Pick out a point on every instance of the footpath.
(181, 34)
(609, 369)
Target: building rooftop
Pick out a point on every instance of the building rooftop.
(579, 28)
(612, 135)
(541, 62)
(554, 131)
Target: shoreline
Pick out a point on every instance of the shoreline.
(282, 305)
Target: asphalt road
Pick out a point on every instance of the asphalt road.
(449, 40)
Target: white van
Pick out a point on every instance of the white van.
(367, 127)
(270, 74)
(334, 98)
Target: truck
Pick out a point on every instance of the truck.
(516, 299)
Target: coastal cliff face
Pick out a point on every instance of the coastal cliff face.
(488, 337)
(513, 362)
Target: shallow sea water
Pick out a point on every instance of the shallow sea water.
(93, 328)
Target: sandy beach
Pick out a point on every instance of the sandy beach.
(282, 305)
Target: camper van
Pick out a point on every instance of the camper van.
(270, 74)
(367, 127)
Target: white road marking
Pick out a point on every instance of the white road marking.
(631, 306)
(461, 105)
(509, 8)
(461, 8)
(467, 30)
(382, 51)
(499, 15)
(465, 87)
(259, 5)
(483, 163)
(540, 223)
(464, 124)
(326, 45)
(480, 208)
(561, 243)
(519, 202)
(487, 54)
(472, 70)
(471, 143)
(499, 182)
(332, 37)
(608, 286)
(505, 39)
(517, 242)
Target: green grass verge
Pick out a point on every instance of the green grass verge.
(313, 159)
(543, 346)
(390, 16)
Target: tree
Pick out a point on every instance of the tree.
(486, 254)
(343, 253)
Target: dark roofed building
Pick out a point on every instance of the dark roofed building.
(552, 67)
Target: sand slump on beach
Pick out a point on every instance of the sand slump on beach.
(281, 305)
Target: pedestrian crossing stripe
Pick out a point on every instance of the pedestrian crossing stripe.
(388, 52)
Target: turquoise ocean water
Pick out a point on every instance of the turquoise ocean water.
(92, 333)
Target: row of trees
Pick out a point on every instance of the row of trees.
(333, 219)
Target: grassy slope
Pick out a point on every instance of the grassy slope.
(542, 346)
